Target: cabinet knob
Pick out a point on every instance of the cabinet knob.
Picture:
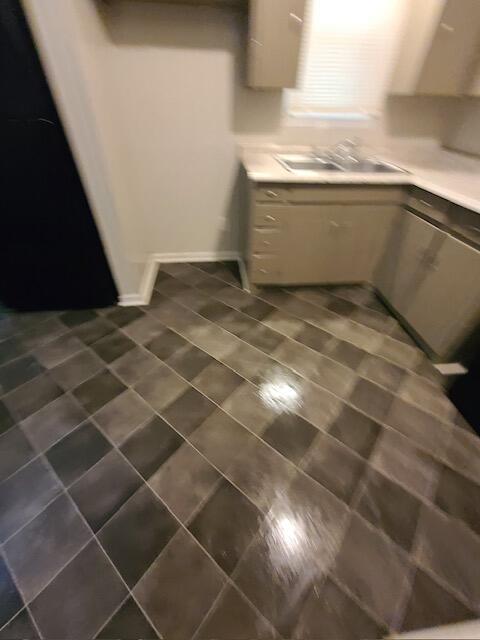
(426, 203)
(296, 18)
(446, 27)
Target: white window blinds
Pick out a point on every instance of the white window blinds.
(347, 53)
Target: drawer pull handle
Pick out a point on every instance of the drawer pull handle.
(294, 16)
(271, 218)
(427, 204)
(272, 194)
(446, 27)
(263, 270)
(266, 243)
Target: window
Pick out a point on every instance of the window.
(346, 57)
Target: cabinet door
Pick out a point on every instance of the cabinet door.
(329, 244)
(274, 42)
(407, 249)
(447, 67)
(447, 303)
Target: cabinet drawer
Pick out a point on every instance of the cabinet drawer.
(465, 224)
(266, 217)
(266, 239)
(342, 194)
(265, 267)
(429, 204)
(269, 193)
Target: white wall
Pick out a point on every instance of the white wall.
(166, 87)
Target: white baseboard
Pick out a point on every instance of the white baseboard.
(151, 269)
(195, 256)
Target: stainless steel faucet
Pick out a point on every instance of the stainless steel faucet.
(346, 152)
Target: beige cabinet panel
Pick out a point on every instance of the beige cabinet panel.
(447, 302)
(409, 245)
(330, 243)
(447, 68)
(275, 31)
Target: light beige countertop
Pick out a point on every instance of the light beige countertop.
(447, 174)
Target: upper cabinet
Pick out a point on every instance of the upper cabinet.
(275, 31)
(439, 50)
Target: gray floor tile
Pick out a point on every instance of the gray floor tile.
(463, 453)
(459, 497)
(261, 473)
(248, 407)
(10, 600)
(10, 349)
(189, 361)
(428, 396)
(314, 338)
(318, 406)
(187, 412)
(221, 439)
(399, 459)
(122, 316)
(233, 617)
(144, 329)
(453, 565)
(92, 331)
(53, 422)
(286, 324)
(389, 507)
(226, 525)
(161, 387)
(217, 381)
(77, 452)
(371, 399)
(54, 353)
(148, 447)
(31, 396)
(398, 352)
(375, 570)
(423, 429)
(191, 576)
(95, 392)
(166, 344)
(431, 606)
(24, 495)
(355, 430)
(330, 613)
(21, 626)
(29, 553)
(15, 451)
(120, 417)
(137, 533)
(263, 338)
(6, 418)
(75, 318)
(128, 623)
(323, 461)
(76, 369)
(382, 372)
(290, 435)
(135, 365)
(112, 346)
(103, 489)
(17, 372)
(184, 481)
(88, 588)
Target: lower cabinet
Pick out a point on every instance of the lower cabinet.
(446, 303)
(430, 278)
(315, 244)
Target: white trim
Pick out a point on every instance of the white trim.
(156, 259)
(451, 368)
(195, 256)
(243, 275)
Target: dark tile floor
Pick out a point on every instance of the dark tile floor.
(219, 465)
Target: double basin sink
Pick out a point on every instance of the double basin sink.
(311, 163)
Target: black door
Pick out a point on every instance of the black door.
(51, 256)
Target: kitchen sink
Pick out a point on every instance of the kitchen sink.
(311, 163)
